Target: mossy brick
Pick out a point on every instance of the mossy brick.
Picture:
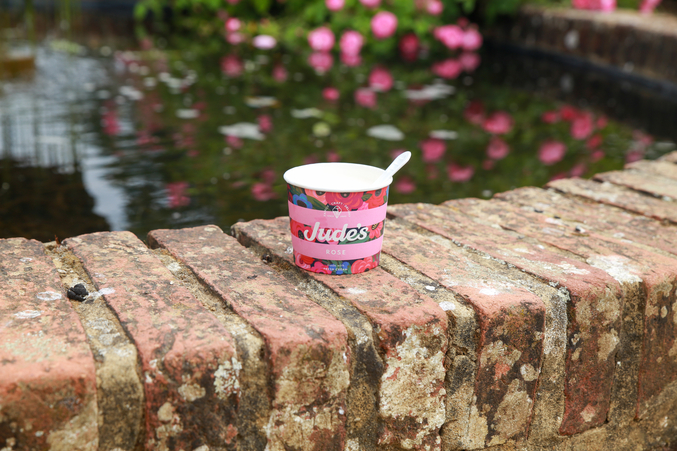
(663, 168)
(669, 157)
(411, 330)
(641, 272)
(613, 222)
(511, 323)
(188, 363)
(618, 196)
(587, 288)
(47, 373)
(306, 347)
(655, 185)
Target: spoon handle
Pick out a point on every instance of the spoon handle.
(395, 166)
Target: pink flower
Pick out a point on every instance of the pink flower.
(234, 141)
(434, 7)
(383, 24)
(321, 268)
(607, 5)
(370, 3)
(263, 192)
(280, 73)
(176, 194)
(449, 68)
(335, 5)
(351, 60)
(409, 44)
(578, 170)
(265, 123)
(568, 113)
(321, 39)
(594, 142)
(474, 112)
(365, 97)
(233, 24)
(376, 229)
(582, 126)
(597, 155)
(648, 6)
(231, 66)
(450, 35)
(235, 38)
(602, 122)
(433, 150)
(550, 117)
(321, 61)
(380, 80)
(498, 123)
(497, 148)
(470, 61)
(405, 185)
(472, 39)
(634, 155)
(264, 42)
(351, 42)
(331, 94)
(333, 157)
(551, 152)
(459, 173)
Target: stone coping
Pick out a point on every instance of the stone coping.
(540, 319)
(630, 41)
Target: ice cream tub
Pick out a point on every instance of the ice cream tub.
(337, 216)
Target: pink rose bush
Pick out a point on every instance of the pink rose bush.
(351, 43)
(380, 80)
(335, 5)
(551, 152)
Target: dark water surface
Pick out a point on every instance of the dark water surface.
(99, 138)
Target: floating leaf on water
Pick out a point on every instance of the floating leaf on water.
(444, 134)
(430, 92)
(243, 130)
(321, 130)
(260, 102)
(187, 113)
(306, 113)
(387, 132)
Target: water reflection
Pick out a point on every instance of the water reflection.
(194, 134)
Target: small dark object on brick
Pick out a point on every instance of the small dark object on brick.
(77, 293)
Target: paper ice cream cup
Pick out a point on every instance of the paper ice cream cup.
(337, 217)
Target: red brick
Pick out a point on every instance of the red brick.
(599, 217)
(411, 330)
(634, 267)
(306, 347)
(639, 181)
(588, 288)
(670, 157)
(663, 168)
(511, 328)
(618, 196)
(47, 373)
(187, 358)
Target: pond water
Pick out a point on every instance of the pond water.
(99, 137)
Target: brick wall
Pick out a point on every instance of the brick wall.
(541, 319)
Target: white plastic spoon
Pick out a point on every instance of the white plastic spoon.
(395, 166)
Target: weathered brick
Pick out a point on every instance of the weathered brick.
(663, 168)
(190, 370)
(611, 221)
(411, 331)
(645, 274)
(47, 374)
(654, 185)
(306, 347)
(119, 389)
(511, 327)
(669, 157)
(587, 287)
(618, 196)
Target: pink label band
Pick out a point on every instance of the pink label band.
(337, 252)
(337, 219)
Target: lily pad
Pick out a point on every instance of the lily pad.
(386, 132)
